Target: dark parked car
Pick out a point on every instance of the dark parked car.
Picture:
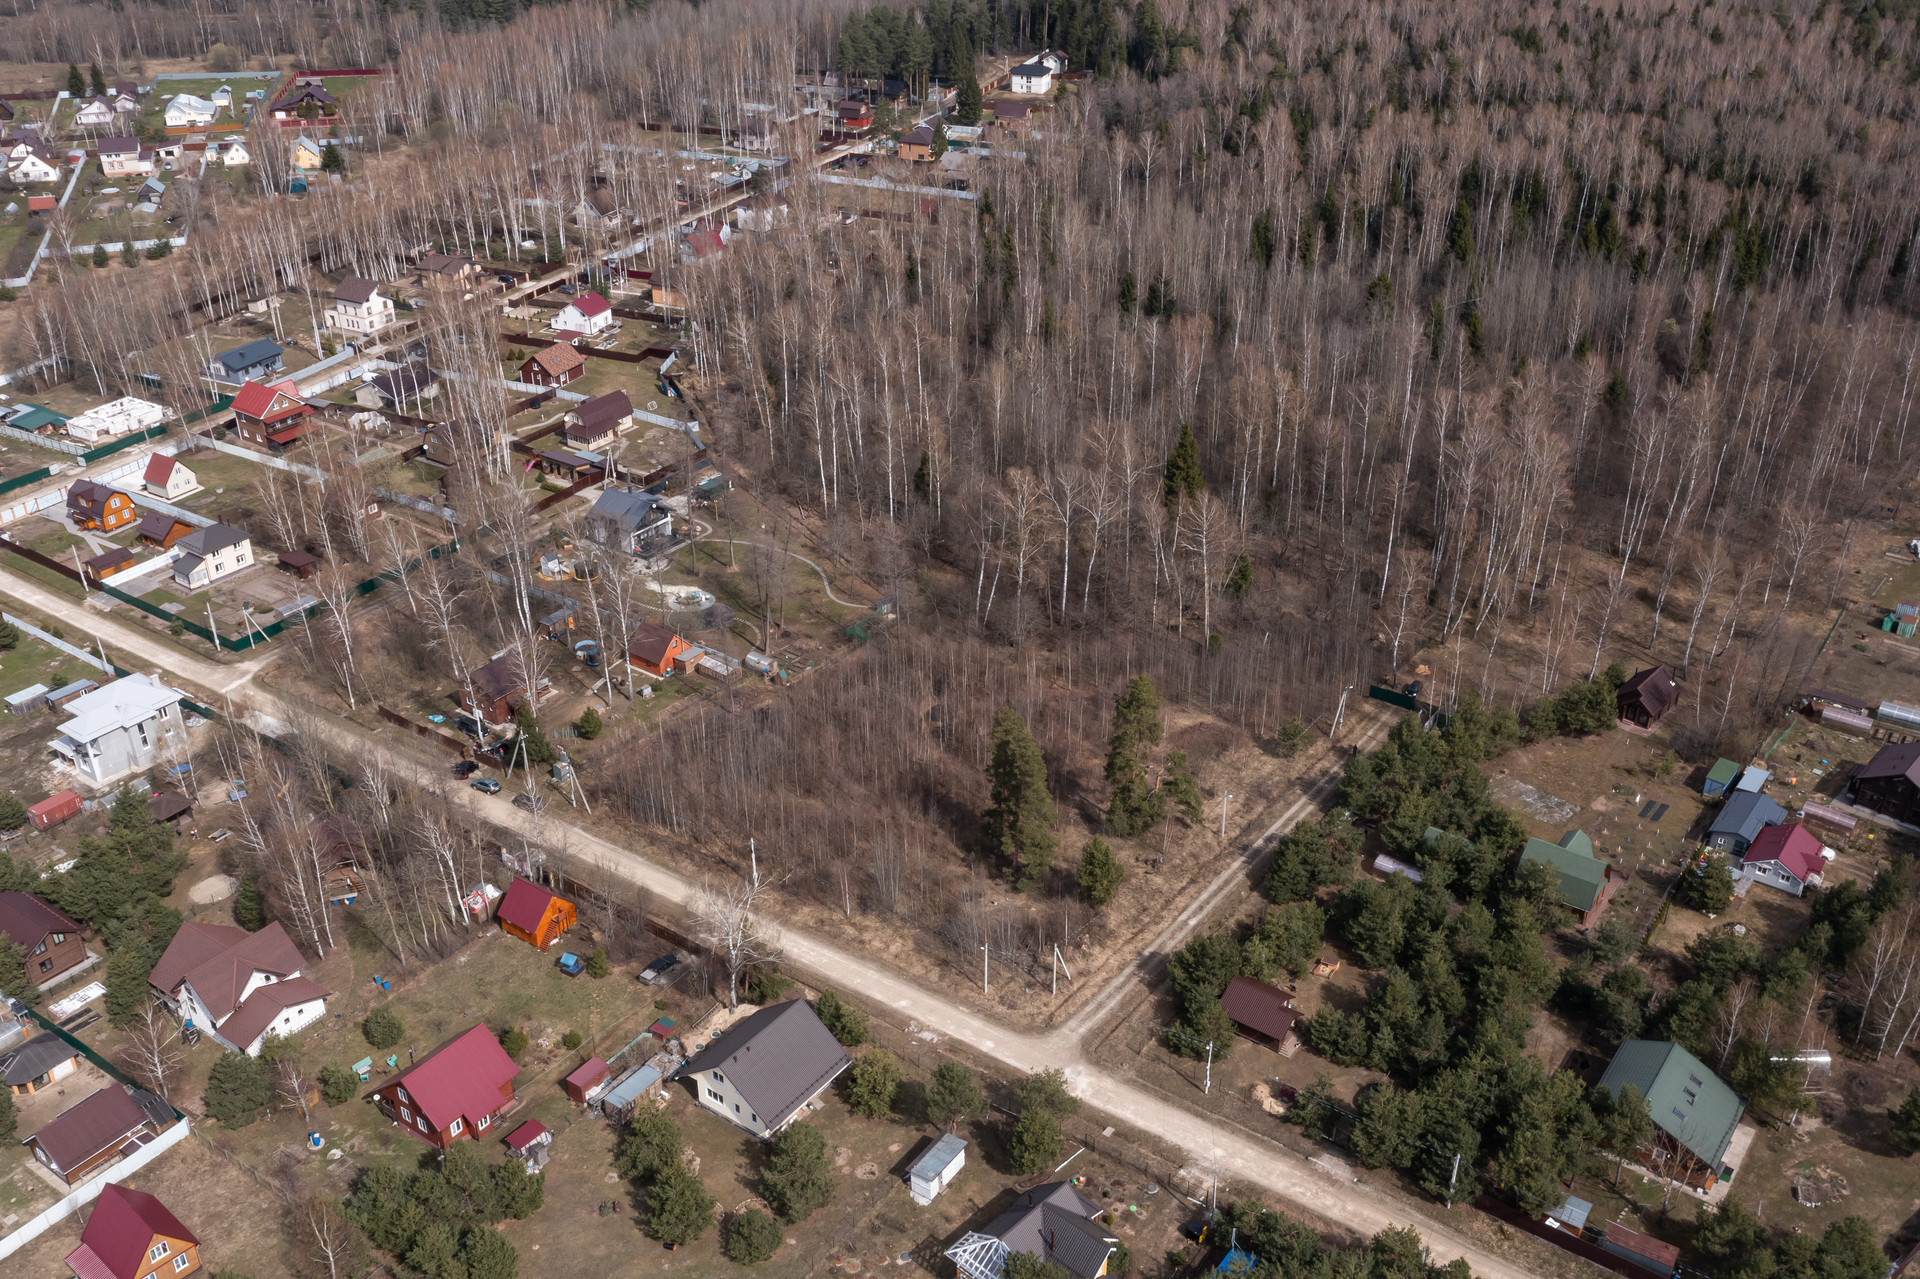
(566, 289)
(1413, 689)
(465, 768)
(490, 785)
(659, 968)
(529, 802)
(507, 280)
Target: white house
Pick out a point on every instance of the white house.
(1032, 77)
(1053, 60)
(359, 307)
(116, 729)
(95, 113)
(122, 158)
(32, 166)
(589, 313)
(186, 111)
(211, 553)
(116, 417)
(167, 478)
(223, 96)
(237, 986)
(233, 152)
(1789, 857)
(762, 1073)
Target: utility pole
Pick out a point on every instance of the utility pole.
(1339, 712)
(1453, 1180)
(983, 970)
(754, 857)
(1208, 1089)
(1223, 813)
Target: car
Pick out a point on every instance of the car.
(507, 280)
(486, 785)
(566, 289)
(220, 834)
(465, 768)
(659, 968)
(529, 802)
(1413, 689)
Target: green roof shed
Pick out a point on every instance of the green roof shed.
(1720, 776)
(1582, 875)
(1688, 1101)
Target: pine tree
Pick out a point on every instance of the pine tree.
(752, 1237)
(99, 255)
(127, 971)
(76, 83)
(679, 1209)
(970, 102)
(1129, 293)
(939, 147)
(872, 1083)
(382, 1028)
(1460, 231)
(13, 974)
(650, 1145)
(796, 1179)
(1264, 240)
(1240, 580)
(589, 724)
(238, 1089)
(1017, 825)
(539, 750)
(332, 159)
(338, 1085)
(1904, 1121)
(1136, 727)
(952, 1094)
(847, 1023)
(1180, 789)
(1183, 477)
(1034, 1144)
(249, 906)
(13, 813)
(9, 636)
(9, 1121)
(99, 81)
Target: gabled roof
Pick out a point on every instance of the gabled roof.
(405, 382)
(1687, 1100)
(212, 539)
(1795, 847)
(1746, 814)
(1056, 1223)
(524, 905)
(461, 1078)
(1902, 760)
(164, 806)
(604, 411)
(920, 137)
(92, 1125)
(1582, 875)
(157, 524)
(109, 561)
(1652, 688)
(256, 1012)
(159, 467)
(35, 1058)
(776, 1059)
(652, 642)
(26, 918)
(557, 359)
(355, 289)
(89, 495)
(258, 351)
(115, 1242)
(217, 960)
(262, 402)
(121, 704)
(590, 305)
(1258, 1006)
(629, 510)
(117, 146)
(504, 676)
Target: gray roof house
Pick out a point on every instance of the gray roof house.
(38, 1062)
(1742, 817)
(627, 521)
(1054, 1223)
(763, 1072)
(256, 360)
(211, 553)
(115, 730)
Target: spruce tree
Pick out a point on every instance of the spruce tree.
(797, 1179)
(249, 907)
(1017, 824)
(1904, 1123)
(952, 1094)
(679, 1209)
(13, 815)
(970, 101)
(1183, 477)
(99, 81)
(1136, 727)
(13, 974)
(1100, 872)
(76, 83)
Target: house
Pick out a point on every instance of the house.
(45, 1059)
(588, 313)
(1647, 697)
(45, 935)
(853, 117)
(703, 242)
(1788, 857)
(60, 697)
(91, 504)
(211, 553)
(131, 1235)
(233, 152)
(448, 266)
(631, 522)
(570, 467)
(99, 1128)
(1261, 1011)
(273, 415)
(1694, 1112)
(107, 563)
(763, 1071)
(598, 208)
(1586, 883)
(557, 365)
(237, 986)
(1740, 819)
(454, 1091)
(757, 134)
(1752, 778)
(167, 478)
(760, 213)
(248, 363)
(593, 424)
(6, 112)
(667, 288)
(37, 418)
(1719, 777)
(1053, 60)
(534, 915)
(115, 730)
(222, 96)
(918, 145)
(31, 164)
(307, 101)
(187, 112)
(304, 155)
(654, 648)
(123, 416)
(359, 307)
(1015, 118)
(399, 389)
(94, 113)
(936, 1167)
(157, 528)
(1053, 1223)
(497, 687)
(1889, 783)
(123, 158)
(1031, 77)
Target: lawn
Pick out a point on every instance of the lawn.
(44, 576)
(37, 662)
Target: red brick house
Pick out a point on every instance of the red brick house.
(94, 505)
(455, 1091)
(271, 415)
(132, 1235)
(557, 365)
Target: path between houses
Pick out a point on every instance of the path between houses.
(1209, 1144)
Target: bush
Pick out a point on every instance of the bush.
(872, 1083)
(848, 1024)
(382, 1028)
(571, 1040)
(1292, 736)
(752, 1237)
(238, 1089)
(13, 813)
(766, 987)
(597, 965)
(589, 724)
(224, 58)
(1100, 871)
(99, 255)
(338, 1085)
(159, 250)
(796, 1179)
(514, 1040)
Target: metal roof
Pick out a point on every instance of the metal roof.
(935, 1159)
(1688, 1101)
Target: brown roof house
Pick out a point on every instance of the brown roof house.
(98, 1129)
(157, 528)
(497, 686)
(41, 1061)
(654, 648)
(595, 423)
(557, 365)
(1260, 1011)
(1889, 783)
(238, 986)
(1647, 697)
(50, 939)
(131, 1235)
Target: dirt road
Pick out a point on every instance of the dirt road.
(1209, 1144)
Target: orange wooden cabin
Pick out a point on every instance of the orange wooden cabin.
(533, 914)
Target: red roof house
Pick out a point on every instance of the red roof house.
(1259, 1010)
(533, 914)
(132, 1235)
(272, 415)
(590, 1075)
(454, 1091)
(1788, 857)
(238, 986)
(589, 313)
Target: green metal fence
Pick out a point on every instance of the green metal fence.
(21, 481)
(124, 442)
(220, 405)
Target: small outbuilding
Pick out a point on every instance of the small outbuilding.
(587, 1080)
(1719, 777)
(41, 1061)
(1259, 1010)
(533, 914)
(618, 1101)
(1647, 697)
(937, 1166)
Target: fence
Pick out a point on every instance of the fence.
(30, 477)
(89, 1190)
(115, 246)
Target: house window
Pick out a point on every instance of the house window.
(717, 1077)
(46, 965)
(483, 1121)
(59, 938)
(181, 1262)
(406, 1116)
(458, 1124)
(736, 1107)
(403, 1094)
(141, 728)
(713, 1094)
(159, 1250)
(41, 949)
(1679, 1113)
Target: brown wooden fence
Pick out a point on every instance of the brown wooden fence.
(458, 746)
(34, 557)
(1567, 1239)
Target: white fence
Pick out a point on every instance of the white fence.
(89, 1190)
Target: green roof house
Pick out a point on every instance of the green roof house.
(1586, 882)
(1720, 777)
(37, 418)
(1694, 1111)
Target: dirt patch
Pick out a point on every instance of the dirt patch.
(214, 888)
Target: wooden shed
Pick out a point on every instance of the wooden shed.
(533, 914)
(585, 1081)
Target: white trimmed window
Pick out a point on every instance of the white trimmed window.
(181, 1262)
(159, 1250)
(483, 1121)
(458, 1124)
